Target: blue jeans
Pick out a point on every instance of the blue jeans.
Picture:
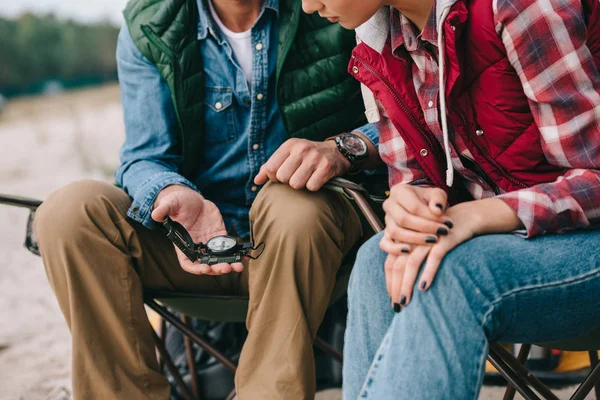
(491, 288)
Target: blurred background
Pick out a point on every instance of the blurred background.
(60, 121)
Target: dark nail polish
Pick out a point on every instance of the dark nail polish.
(438, 205)
(431, 239)
(403, 300)
(405, 250)
(397, 308)
(449, 224)
(442, 231)
(423, 284)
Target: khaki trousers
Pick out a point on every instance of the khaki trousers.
(98, 263)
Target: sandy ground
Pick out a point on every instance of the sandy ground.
(45, 143)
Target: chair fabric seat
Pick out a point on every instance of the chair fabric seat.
(587, 342)
(229, 308)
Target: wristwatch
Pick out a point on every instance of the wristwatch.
(352, 146)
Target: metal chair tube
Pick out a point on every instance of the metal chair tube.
(223, 359)
(512, 378)
(181, 386)
(521, 358)
(593, 379)
(189, 353)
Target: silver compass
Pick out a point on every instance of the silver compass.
(221, 244)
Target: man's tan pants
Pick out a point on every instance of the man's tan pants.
(99, 261)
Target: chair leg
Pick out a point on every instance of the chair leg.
(508, 374)
(591, 381)
(523, 372)
(162, 329)
(328, 349)
(231, 395)
(594, 364)
(187, 331)
(181, 386)
(189, 352)
(521, 358)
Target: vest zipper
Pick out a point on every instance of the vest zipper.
(488, 158)
(408, 113)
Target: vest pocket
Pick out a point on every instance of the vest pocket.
(219, 120)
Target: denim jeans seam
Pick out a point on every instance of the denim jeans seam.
(375, 364)
(579, 278)
(478, 371)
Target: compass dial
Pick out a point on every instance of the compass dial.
(221, 244)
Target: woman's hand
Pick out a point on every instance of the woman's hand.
(415, 215)
(471, 219)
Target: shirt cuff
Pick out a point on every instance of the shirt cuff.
(525, 214)
(371, 132)
(145, 195)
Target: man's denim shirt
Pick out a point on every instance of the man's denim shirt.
(241, 132)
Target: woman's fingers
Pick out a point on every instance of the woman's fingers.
(416, 223)
(437, 254)
(411, 272)
(412, 199)
(389, 246)
(388, 267)
(397, 277)
(436, 198)
(403, 235)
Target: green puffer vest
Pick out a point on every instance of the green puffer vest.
(316, 96)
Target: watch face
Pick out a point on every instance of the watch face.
(354, 145)
(221, 244)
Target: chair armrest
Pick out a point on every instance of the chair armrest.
(365, 208)
(19, 201)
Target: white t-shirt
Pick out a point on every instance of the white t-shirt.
(240, 42)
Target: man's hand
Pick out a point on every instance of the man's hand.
(304, 164)
(472, 219)
(200, 217)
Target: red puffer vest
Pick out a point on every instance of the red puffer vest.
(483, 93)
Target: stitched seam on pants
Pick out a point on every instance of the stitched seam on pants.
(479, 371)
(375, 364)
(516, 291)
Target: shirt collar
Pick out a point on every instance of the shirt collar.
(206, 23)
(405, 33)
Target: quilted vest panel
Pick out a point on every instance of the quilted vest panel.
(316, 97)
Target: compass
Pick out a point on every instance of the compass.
(221, 245)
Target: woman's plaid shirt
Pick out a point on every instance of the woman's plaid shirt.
(562, 84)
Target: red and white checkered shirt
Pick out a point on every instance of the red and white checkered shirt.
(569, 123)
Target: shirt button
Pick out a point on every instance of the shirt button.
(218, 105)
(355, 70)
(424, 152)
(254, 188)
(453, 27)
(430, 104)
(260, 96)
(259, 46)
(256, 146)
(479, 132)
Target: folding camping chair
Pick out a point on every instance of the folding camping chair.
(232, 308)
